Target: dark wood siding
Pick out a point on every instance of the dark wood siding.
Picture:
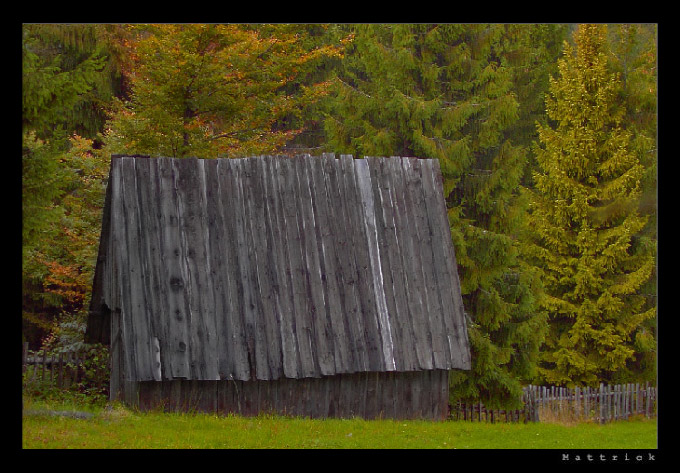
(369, 395)
(264, 268)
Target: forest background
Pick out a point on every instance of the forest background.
(546, 135)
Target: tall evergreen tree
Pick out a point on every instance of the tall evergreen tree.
(61, 69)
(445, 92)
(633, 57)
(584, 215)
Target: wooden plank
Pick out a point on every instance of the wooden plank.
(378, 324)
(121, 237)
(359, 261)
(150, 244)
(294, 248)
(392, 187)
(174, 352)
(262, 255)
(281, 350)
(323, 342)
(421, 263)
(443, 394)
(232, 331)
(282, 273)
(117, 244)
(24, 357)
(138, 310)
(403, 244)
(454, 318)
(325, 237)
(192, 212)
(443, 281)
(208, 327)
(415, 326)
(219, 271)
(254, 339)
(346, 269)
(387, 255)
(430, 264)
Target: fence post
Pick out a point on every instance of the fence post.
(44, 363)
(60, 377)
(76, 365)
(24, 356)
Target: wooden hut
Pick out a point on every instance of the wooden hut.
(310, 286)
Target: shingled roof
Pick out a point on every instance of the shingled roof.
(270, 267)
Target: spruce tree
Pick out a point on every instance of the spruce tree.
(633, 56)
(584, 215)
(63, 72)
(445, 92)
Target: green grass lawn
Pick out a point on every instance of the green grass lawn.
(124, 428)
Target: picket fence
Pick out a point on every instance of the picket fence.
(61, 369)
(604, 404)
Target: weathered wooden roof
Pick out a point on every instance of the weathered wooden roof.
(271, 267)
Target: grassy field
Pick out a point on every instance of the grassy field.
(123, 428)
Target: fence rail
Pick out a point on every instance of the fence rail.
(604, 404)
(61, 369)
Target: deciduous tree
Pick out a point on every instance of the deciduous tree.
(213, 90)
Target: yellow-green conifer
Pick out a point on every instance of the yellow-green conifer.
(584, 215)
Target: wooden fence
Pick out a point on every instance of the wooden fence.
(603, 404)
(61, 369)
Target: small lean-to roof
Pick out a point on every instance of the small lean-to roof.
(270, 267)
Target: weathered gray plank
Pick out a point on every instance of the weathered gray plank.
(393, 265)
(302, 324)
(455, 322)
(417, 291)
(368, 205)
(443, 280)
(206, 279)
(366, 283)
(202, 346)
(323, 349)
(117, 359)
(118, 243)
(434, 309)
(282, 271)
(409, 285)
(262, 253)
(171, 287)
(388, 321)
(232, 331)
(219, 272)
(135, 312)
(327, 259)
(147, 173)
(400, 237)
(346, 270)
(254, 329)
